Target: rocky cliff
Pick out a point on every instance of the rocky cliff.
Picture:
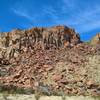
(17, 41)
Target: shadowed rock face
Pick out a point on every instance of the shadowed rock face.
(96, 39)
(16, 41)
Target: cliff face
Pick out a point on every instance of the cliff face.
(17, 41)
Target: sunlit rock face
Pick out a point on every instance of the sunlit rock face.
(16, 41)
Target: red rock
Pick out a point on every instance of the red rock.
(64, 81)
(57, 77)
(90, 82)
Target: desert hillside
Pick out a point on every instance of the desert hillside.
(50, 61)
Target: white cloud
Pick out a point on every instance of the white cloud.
(75, 13)
(22, 13)
(88, 26)
(83, 18)
(51, 12)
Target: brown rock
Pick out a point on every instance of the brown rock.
(57, 77)
(90, 82)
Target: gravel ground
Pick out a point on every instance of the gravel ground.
(32, 97)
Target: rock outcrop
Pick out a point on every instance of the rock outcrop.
(17, 41)
(96, 39)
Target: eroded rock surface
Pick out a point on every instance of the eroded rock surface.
(50, 61)
(17, 41)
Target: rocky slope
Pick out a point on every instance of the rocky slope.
(50, 61)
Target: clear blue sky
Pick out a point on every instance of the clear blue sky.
(83, 15)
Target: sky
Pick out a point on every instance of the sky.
(82, 15)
